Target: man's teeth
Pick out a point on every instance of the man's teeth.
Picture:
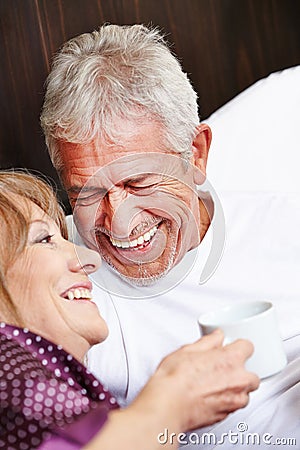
(135, 242)
(79, 293)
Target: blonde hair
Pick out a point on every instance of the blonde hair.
(114, 73)
(14, 225)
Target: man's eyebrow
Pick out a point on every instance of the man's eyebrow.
(92, 189)
(85, 189)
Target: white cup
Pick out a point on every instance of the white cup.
(257, 322)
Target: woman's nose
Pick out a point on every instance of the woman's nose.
(85, 259)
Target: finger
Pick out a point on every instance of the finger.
(241, 348)
(207, 412)
(218, 406)
(232, 401)
(227, 401)
(243, 381)
(209, 341)
(254, 382)
(214, 418)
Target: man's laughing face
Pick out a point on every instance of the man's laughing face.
(134, 203)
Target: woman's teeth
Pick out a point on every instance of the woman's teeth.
(78, 293)
(135, 242)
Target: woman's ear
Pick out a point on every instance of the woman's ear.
(200, 146)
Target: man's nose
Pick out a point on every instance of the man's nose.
(112, 206)
(84, 259)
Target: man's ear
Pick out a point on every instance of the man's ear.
(201, 144)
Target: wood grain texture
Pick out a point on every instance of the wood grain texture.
(224, 46)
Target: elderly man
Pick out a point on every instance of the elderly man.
(121, 124)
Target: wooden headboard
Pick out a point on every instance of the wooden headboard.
(224, 45)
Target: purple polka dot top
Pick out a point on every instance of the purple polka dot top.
(48, 400)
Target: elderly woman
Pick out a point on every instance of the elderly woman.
(48, 399)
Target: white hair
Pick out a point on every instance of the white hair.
(117, 72)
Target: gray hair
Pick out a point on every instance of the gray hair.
(117, 72)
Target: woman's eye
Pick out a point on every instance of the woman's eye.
(46, 239)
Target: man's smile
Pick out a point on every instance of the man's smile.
(143, 248)
(135, 243)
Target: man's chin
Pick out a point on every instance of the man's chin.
(142, 277)
(144, 281)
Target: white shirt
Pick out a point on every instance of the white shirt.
(255, 266)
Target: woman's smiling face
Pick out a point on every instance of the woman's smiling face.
(49, 284)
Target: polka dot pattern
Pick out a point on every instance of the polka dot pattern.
(43, 389)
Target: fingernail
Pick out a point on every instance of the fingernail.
(217, 331)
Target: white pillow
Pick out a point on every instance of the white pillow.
(256, 137)
(254, 166)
